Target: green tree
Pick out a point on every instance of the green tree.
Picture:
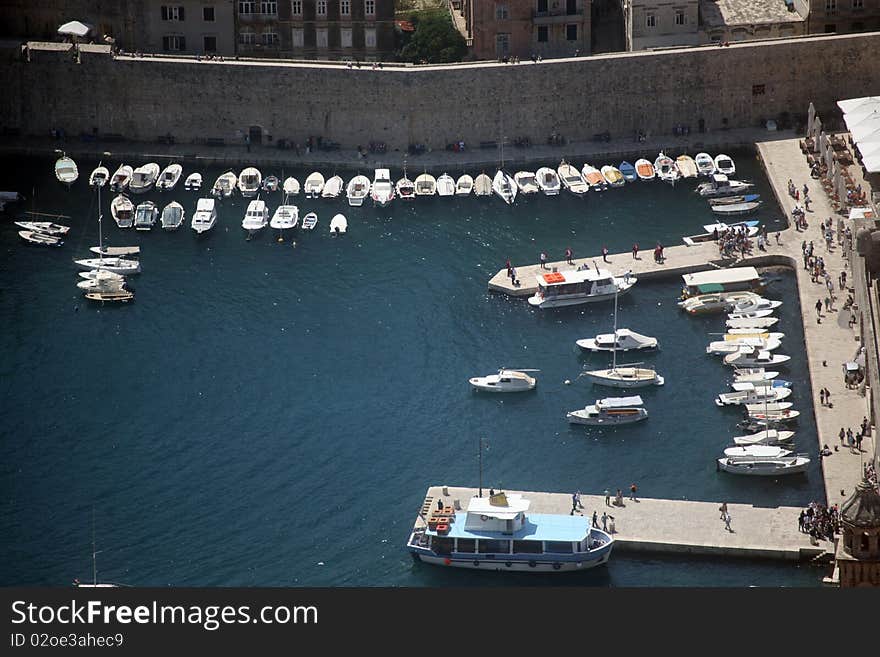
(435, 39)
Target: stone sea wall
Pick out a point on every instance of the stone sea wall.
(140, 99)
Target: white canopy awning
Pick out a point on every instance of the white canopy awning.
(75, 28)
(862, 118)
(853, 104)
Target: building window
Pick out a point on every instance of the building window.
(297, 37)
(321, 9)
(650, 20)
(370, 7)
(370, 37)
(679, 17)
(269, 7)
(246, 6)
(247, 37)
(858, 4)
(345, 8)
(501, 13)
(571, 32)
(173, 43)
(208, 14)
(542, 6)
(830, 5)
(172, 13)
(210, 44)
(543, 34)
(502, 45)
(345, 37)
(758, 89)
(830, 28)
(321, 37)
(296, 7)
(270, 37)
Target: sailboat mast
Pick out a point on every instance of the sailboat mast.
(614, 343)
(94, 553)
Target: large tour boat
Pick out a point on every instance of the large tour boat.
(578, 286)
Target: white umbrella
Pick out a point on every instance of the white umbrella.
(852, 104)
(75, 29)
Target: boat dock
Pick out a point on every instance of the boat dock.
(670, 526)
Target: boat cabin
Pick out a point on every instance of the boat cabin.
(733, 279)
(586, 282)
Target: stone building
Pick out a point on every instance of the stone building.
(661, 23)
(739, 20)
(858, 553)
(40, 19)
(201, 27)
(842, 16)
(522, 28)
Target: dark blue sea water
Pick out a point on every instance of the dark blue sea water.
(264, 414)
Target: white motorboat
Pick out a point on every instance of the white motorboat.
(445, 185)
(116, 250)
(121, 266)
(752, 322)
(314, 184)
(666, 168)
(753, 374)
(333, 187)
(145, 216)
(526, 182)
(114, 296)
(290, 186)
(285, 217)
(338, 224)
(506, 380)
(702, 304)
(571, 179)
(65, 170)
(99, 177)
(173, 216)
(754, 332)
(755, 358)
(40, 239)
(622, 339)
(725, 347)
(763, 451)
(426, 185)
(357, 190)
(730, 200)
(721, 185)
(256, 216)
(594, 178)
(754, 304)
(777, 416)
(687, 167)
(101, 274)
(383, 189)
(767, 407)
(482, 185)
(761, 466)
(405, 189)
(309, 221)
(271, 184)
(101, 286)
(705, 164)
(584, 285)
(464, 186)
(760, 385)
(504, 186)
(613, 176)
(121, 178)
(765, 437)
(249, 181)
(724, 164)
(645, 170)
(754, 396)
(610, 411)
(193, 182)
(548, 181)
(205, 216)
(44, 227)
(169, 177)
(144, 178)
(225, 185)
(750, 315)
(735, 209)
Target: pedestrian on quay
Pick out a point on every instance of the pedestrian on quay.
(806, 189)
(632, 492)
(574, 503)
(636, 251)
(827, 397)
(819, 310)
(727, 520)
(604, 522)
(822, 396)
(607, 498)
(618, 500)
(723, 509)
(859, 439)
(827, 304)
(543, 260)
(605, 254)
(850, 439)
(568, 255)
(595, 520)
(842, 435)
(865, 425)
(801, 519)
(842, 280)
(777, 237)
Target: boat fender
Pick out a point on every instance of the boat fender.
(447, 561)
(532, 564)
(508, 563)
(476, 563)
(484, 518)
(557, 566)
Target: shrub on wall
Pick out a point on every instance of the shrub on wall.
(435, 39)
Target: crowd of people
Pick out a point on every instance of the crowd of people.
(819, 521)
(733, 241)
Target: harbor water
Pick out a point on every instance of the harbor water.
(271, 413)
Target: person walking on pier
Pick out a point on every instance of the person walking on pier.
(604, 522)
(604, 254)
(607, 498)
(842, 436)
(819, 310)
(727, 520)
(865, 425)
(632, 492)
(595, 520)
(723, 509)
(543, 260)
(568, 255)
(827, 397)
(636, 251)
(822, 396)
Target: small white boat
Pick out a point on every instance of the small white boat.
(752, 322)
(645, 170)
(249, 181)
(115, 250)
(44, 227)
(405, 188)
(309, 221)
(144, 178)
(572, 179)
(121, 266)
(382, 191)
(772, 415)
(145, 216)
(193, 182)
(759, 333)
(426, 185)
(548, 181)
(610, 411)
(504, 186)
(464, 186)
(114, 296)
(729, 200)
(753, 374)
(687, 167)
(767, 406)
(271, 184)
(225, 185)
(314, 184)
(40, 239)
(65, 170)
(594, 178)
(357, 190)
(169, 177)
(205, 216)
(750, 315)
(101, 285)
(121, 178)
(765, 437)
(290, 187)
(624, 376)
(122, 211)
(256, 216)
(626, 340)
(733, 209)
(482, 185)
(720, 185)
(760, 386)
(506, 380)
(173, 216)
(755, 358)
(338, 224)
(754, 304)
(761, 466)
(613, 176)
(754, 396)
(765, 451)
(526, 182)
(285, 217)
(666, 168)
(445, 185)
(724, 164)
(723, 347)
(705, 164)
(101, 275)
(99, 177)
(333, 187)
(701, 304)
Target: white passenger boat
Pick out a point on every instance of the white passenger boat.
(65, 170)
(40, 239)
(715, 231)
(116, 250)
(482, 185)
(249, 181)
(571, 179)
(121, 266)
(357, 190)
(290, 186)
(754, 396)
(509, 538)
(144, 178)
(727, 279)
(755, 358)
(383, 189)
(761, 466)
(445, 185)
(765, 437)
(99, 177)
(285, 217)
(645, 170)
(464, 186)
(169, 177)
(405, 188)
(705, 164)
(753, 374)
(256, 216)
(548, 181)
(121, 178)
(145, 216)
(721, 185)
(205, 216)
(310, 221)
(173, 216)
(622, 339)
(526, 182)
(506, 380)
(666, 168)
(572, 288)
(594, 178)
(44, 227)
(687, 167)
(225, 185)
(193, 182)
(333, 187)
(426, 185)
(338, 224)
(724, 164)
(613, 176)
(122, 211)
(610, 411)
(504, 186)
(752, 322)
